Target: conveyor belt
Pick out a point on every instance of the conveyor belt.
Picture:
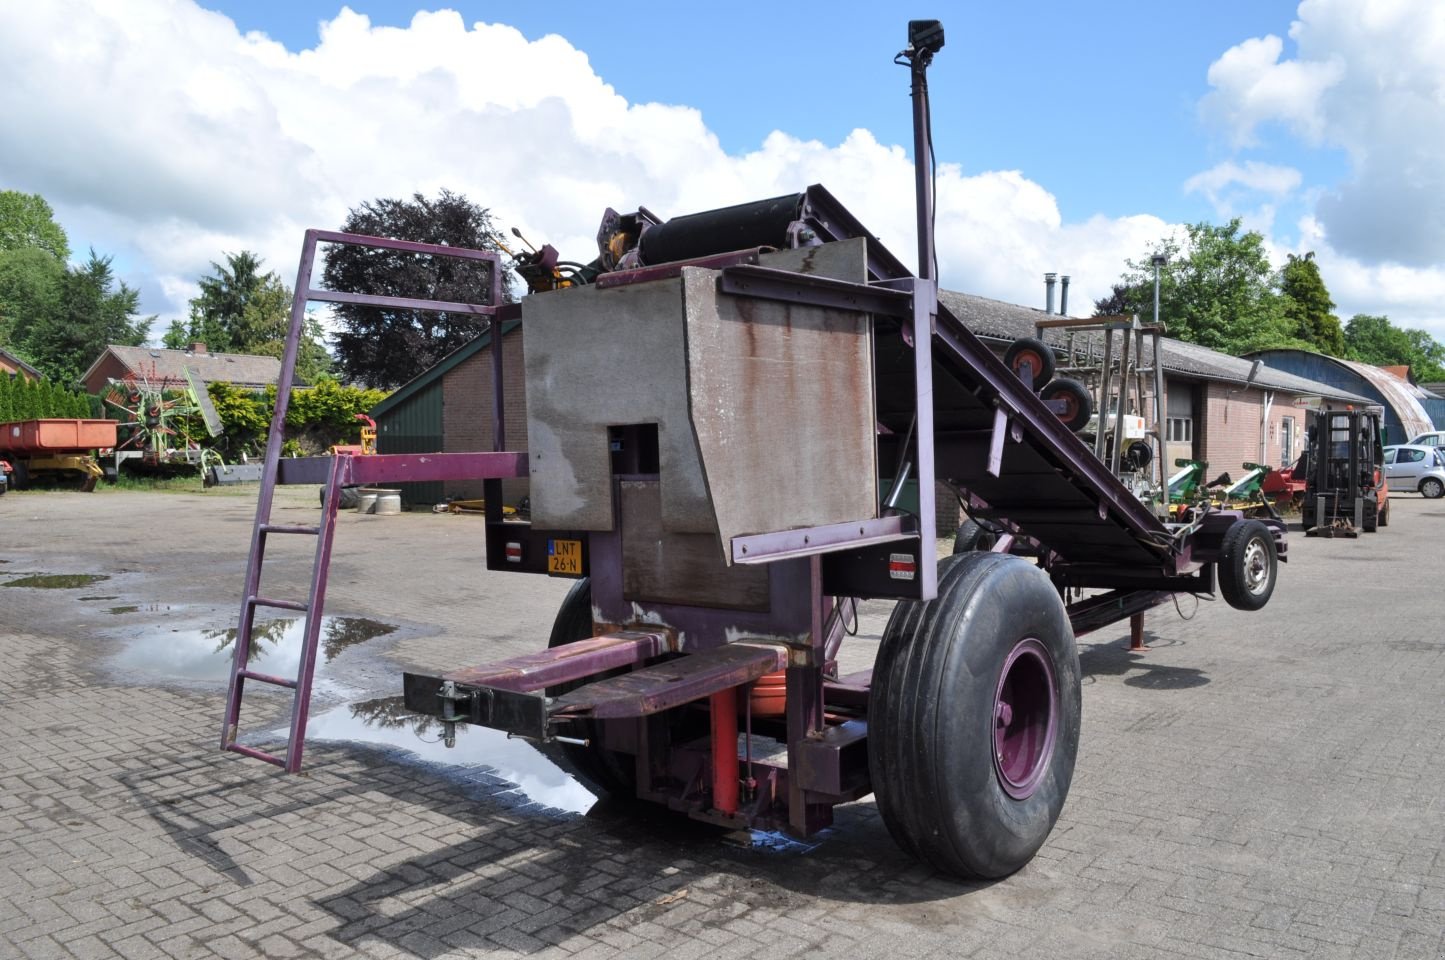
(1051, 486)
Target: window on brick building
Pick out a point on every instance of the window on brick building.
(1181, 430)
(1287, 440)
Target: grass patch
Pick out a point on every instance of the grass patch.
(187, 483)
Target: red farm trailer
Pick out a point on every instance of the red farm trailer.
(722, 411)
(56, 447)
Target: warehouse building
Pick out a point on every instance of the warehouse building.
(1224, 410)
(1407, 407)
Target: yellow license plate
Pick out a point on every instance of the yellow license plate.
(564, 556)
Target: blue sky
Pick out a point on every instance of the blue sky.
(1071, 135)
(1098, 101)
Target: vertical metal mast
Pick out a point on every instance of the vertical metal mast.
(925, 38)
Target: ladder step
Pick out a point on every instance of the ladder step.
(278, 604)
(267, 678)
(256, 754)
(290, 528)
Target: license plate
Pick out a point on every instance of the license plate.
(564, 556)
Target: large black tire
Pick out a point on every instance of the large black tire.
(1370, 516)
(1248, 565)
(1385, 512)
(1036, 353)
(1431, 488)
(19, 475)
(971, 536)
(616, 773)
(935, 723)
(348, 499)
(1079, 405)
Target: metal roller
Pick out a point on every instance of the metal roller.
(763, 223)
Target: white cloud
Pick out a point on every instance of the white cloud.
(1252, 86)
(1368, 77)
(163, 134)
(1409, 296)
(1251, 175)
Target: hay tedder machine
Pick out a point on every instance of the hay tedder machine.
(713, 406)
(158, 416)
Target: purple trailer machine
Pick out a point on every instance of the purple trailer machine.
(722, 412)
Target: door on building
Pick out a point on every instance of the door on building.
(1179, 407)
(1287, 440)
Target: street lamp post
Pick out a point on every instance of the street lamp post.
(1158, 260)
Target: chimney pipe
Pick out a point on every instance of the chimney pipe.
(1064, 295)
(1049, 279)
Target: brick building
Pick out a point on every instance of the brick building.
(448, 409)
(168, 368)
(1221, 409)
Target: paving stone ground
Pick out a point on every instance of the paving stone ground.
(1266, 785)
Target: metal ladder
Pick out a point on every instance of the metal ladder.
(310, 610)
(251, 599)
(342, 469)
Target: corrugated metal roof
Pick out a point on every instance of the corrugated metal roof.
(1400, 394)
(994, 319)
(242, 369)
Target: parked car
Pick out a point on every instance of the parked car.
(1435, 439)
(1416, 467)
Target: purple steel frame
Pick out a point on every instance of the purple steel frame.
(338, 471)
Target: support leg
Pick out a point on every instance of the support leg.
(725, 751)
(1136, 633)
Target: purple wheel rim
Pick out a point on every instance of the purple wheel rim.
(1025, 718)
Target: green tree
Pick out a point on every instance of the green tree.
(7, 388)
(1308, 309)
(243, 310)
(29, 288)
(93, 309)
(1373, 339)
(216, 314)
(26, 220)
(385, 347)
(177, 336)
(22, 402)
(1217, 289)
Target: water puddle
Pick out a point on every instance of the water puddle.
(275, 647)
(57, 581)
(144, 607)
(488, 753)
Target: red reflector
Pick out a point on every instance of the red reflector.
(514, 553)
(902, 566)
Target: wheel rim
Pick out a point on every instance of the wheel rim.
(1031, 358)
(1256, 567)
(1432, 488)
(1025, 719)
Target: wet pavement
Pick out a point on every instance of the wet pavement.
(1259, 785)
(55, 581)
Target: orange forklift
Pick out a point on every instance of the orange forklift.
(1343, 467)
